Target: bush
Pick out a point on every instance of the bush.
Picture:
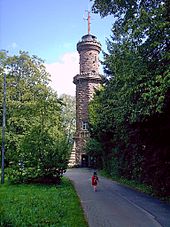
(41, 156)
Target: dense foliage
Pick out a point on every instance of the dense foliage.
(36, 144)
(129, 117)
(69, 115)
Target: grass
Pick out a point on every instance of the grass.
(135, 185)
(40, 205)
(131, 183)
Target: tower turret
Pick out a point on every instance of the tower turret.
(89, 49)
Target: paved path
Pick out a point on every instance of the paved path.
(114, 205)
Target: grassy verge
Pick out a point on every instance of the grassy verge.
(39, 205)
(130, 183)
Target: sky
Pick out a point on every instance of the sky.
(50, 29)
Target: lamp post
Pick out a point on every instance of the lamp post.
(3, 129)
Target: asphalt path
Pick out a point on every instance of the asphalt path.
(114, 205)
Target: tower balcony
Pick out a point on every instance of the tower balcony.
(87, 76)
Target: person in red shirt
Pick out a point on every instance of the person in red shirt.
(94, 181)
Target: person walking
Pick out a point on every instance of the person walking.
(94, 181)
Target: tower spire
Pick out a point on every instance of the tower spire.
(88, 19)
(88, 22)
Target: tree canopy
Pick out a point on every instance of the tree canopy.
(36, 141)
(130, 115)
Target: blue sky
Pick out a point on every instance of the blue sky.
(50, 29)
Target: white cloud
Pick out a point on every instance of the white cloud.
(62, 73)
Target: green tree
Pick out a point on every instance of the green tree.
(36, 143)
(135, 100)
(69, 115)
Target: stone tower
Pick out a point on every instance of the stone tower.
(87, 81)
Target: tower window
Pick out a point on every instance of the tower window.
(84, 125)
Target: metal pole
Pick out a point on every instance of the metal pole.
(3, 130)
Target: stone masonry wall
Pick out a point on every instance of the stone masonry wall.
(84, 93)
(89, 61)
